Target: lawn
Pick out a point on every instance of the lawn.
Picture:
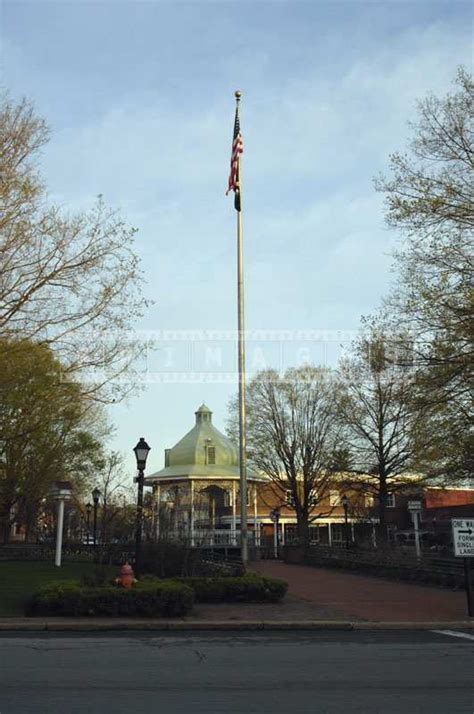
(19, 579)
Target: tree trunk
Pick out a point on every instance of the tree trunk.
(302, 520)
(382, 510)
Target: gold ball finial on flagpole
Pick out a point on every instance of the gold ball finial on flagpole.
(238, 94)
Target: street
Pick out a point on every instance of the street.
(317, 672)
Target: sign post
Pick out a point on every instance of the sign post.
(415, 509)
(463, 540)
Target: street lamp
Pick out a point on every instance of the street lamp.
(95, 498)
(275, 517)
(345, 505)
(88, 520)
(61, 492)
(141, 453)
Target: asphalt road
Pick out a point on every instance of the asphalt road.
(318, 673)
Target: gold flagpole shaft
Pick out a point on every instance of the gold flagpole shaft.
(241, 353)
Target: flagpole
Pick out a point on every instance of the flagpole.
(241, 364)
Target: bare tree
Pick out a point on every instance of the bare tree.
(292, 437)
(71, 281)
(114, 485)
(430, 200)
(384, 426)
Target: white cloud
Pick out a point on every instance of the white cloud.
(316, 247)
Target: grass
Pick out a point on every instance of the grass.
(19, 579)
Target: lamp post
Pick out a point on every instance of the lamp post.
(141, 453)
(345, 505)
(275, 517)
(61, 492)
(88, 521)
(95, 498)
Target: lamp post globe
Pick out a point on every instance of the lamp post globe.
(96, 495)
(141, 451)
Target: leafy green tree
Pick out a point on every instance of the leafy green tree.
(48, 431)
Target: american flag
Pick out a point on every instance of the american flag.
(237, 149)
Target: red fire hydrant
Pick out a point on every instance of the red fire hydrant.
(127, 578)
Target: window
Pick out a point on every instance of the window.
(336, 532)
(289, 501)
(211, 454)
(248, 496)
(334, 498)
(314, 534)
(391, 500)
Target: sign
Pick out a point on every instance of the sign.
(414, 505)
(463, 537)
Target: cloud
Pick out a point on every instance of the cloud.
(324, 104)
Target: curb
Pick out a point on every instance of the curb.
(224, 626)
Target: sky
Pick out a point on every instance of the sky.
(139, 97)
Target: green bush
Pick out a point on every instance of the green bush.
(166, 559)
(246, 588)
(147, 599)
(99, 576)
(169, 560)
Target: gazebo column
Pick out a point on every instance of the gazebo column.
(234, 515)
(329, 534)
(352, 532)
(175, 519)
(192, 513)
(255, 528)
(157, 510)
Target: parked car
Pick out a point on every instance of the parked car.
(408, 537)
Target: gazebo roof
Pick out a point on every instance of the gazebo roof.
(204, 452)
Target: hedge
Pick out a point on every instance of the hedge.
(145, 599)
(246, 588)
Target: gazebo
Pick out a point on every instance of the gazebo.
(197, 495)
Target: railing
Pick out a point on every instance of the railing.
(384, 562)
(73, 552)
(216, 537)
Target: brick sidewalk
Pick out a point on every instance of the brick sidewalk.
(367, 598)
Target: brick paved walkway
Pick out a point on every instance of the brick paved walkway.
(364, 597)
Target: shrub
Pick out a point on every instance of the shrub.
(168, 560)
(247, 588)
(146, 599)
(98, 577)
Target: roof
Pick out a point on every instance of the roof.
(190, 456)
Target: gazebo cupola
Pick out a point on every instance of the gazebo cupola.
(203, 415)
